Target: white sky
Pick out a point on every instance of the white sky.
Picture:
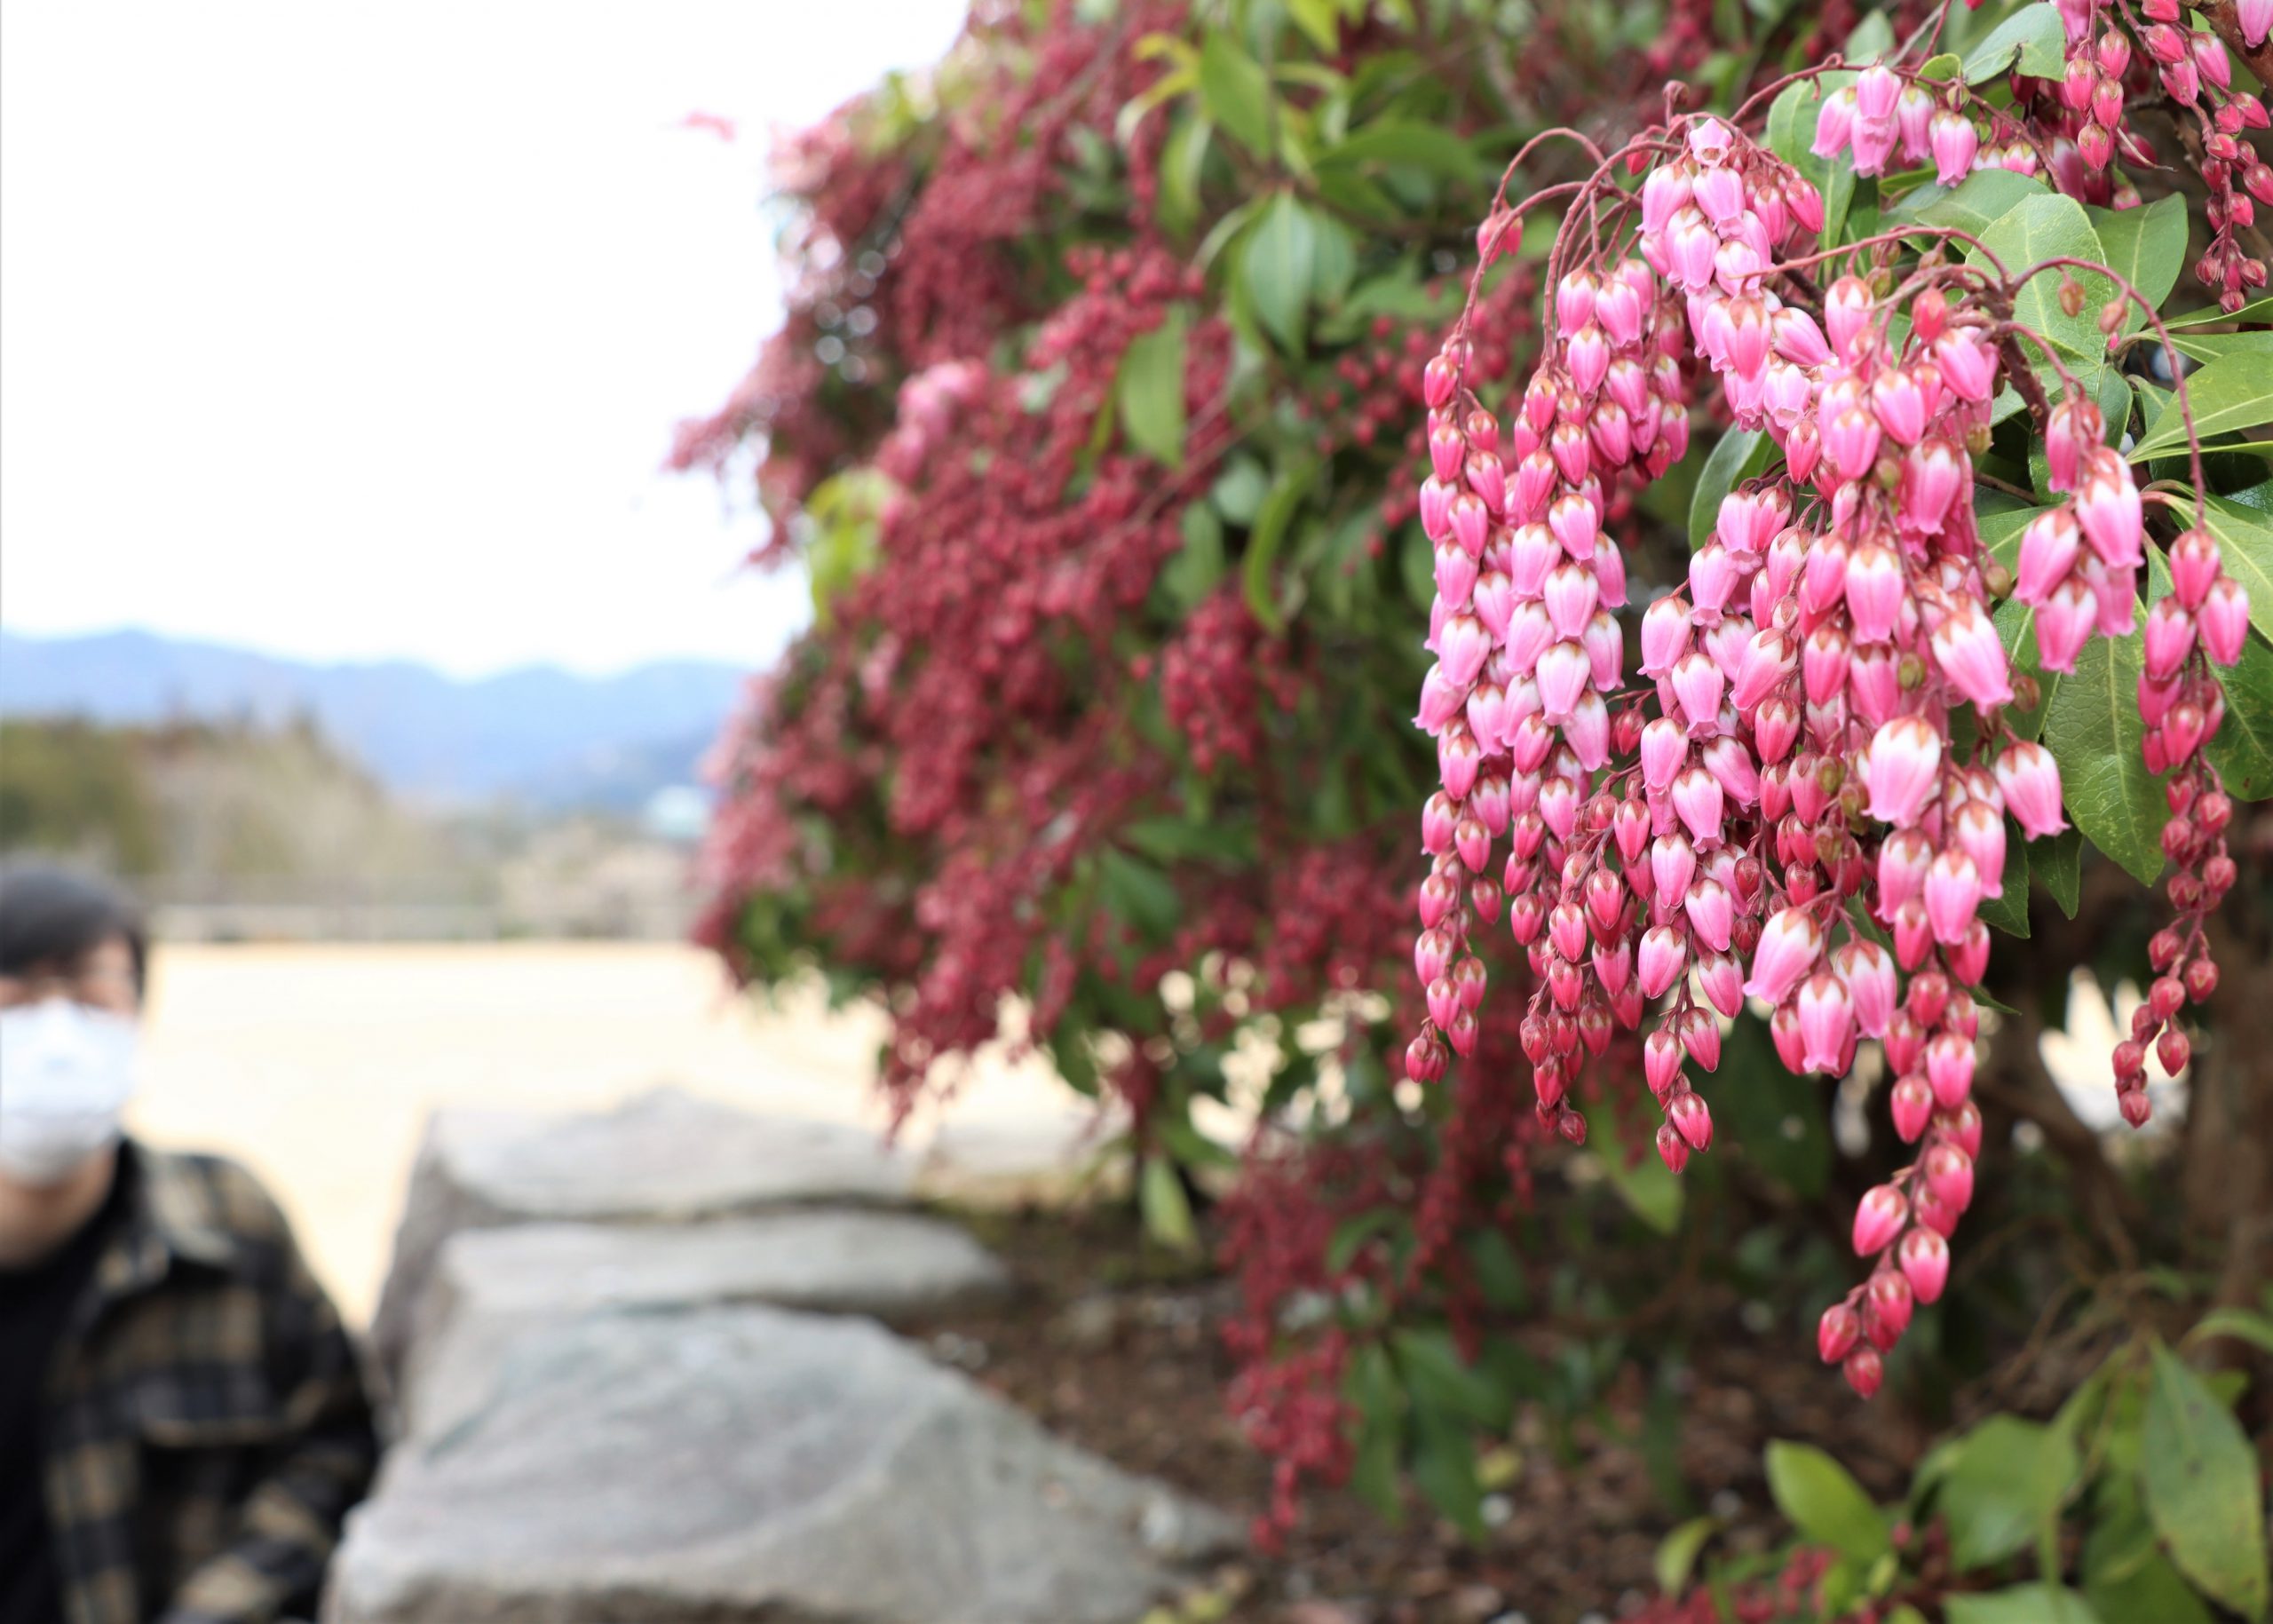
(355, 332)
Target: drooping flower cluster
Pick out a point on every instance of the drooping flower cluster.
(2077, 130)
(1797, 822)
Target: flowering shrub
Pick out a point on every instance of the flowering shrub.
(1813, 546)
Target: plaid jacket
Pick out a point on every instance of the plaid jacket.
(206, 1425)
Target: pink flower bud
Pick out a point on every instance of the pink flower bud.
(1949, 1068)
(1574, 302)
(1868, 971)
(2107, 507)
(1835, 124)
(1673, 865)
(1664, 956)
(2169, 637)
(1912, 1105)
(2030, 778)
(1698, 801)
(2048, 548)
(1672, 1149)
(1837, 1332)
(1879, 1217)
(2064, 622)
(1691, 1116)
(1470, 523)
(1711, 912)
(1905, 765)
(1874, 590)
(1971, 656)
(1665, 635)
(1847, 312)
(1899, 404)
(2255, 17)
(1790, 943)
(1925, 1259)
(2224, 620)
(1575, 523)
(1562, 673)
(1953, 889)
(1886, 1308)
(1954, 142)
(1850, 440)
(1826, 1022)
(1731, 767)
(1698, 683)
(1605, 647)
(1768, 657)
(1979, 831)
(1969, 367)
(2071, 434)
(1949, 1174)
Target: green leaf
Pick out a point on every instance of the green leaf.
(2150, 1589)
(1407, 143)
(2058, 862)
(2008, 1484)
(2256, 1329)
(2052, 227)
(1139, 894)
(1371, 1389)
(1183, 157)
(1444, 1464)
(2257, 310)
(1198, 568)
(1167, 1213)
(2009, 913)
(1873, 38)
(2236, 392)
(2093, 728)
(1791, 136)
(1263, 541)
(1739, 454)
(2147, 248)
(1677, 1553)
(1439, 1379)
(1236, 92)
(2206, 347)
(2031, 39)
(1150, 389)
(1319, 18)
(1824, 1502)
(1981, 197)
(1945, 66)
(2021, 1604)
(2243, 748)
(1279, 265)
(2202, 1491)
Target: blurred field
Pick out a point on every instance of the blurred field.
(316, 1065)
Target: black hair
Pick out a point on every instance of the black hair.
(51, 916)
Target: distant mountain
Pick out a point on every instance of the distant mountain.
(540, 736)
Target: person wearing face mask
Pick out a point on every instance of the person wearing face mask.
(183, 1419)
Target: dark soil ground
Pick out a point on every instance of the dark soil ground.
(1123, 1354)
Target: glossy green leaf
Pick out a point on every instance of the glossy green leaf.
(2200, 1480)
(1647, 1186)
(2051, 227)
(2093, 728)
(2021, 1604)
(2147, 248)
(1739, 454)
(2243, 748)
(2230, 394)
(1824, 1502)
(1236, 92)
(2033, 39)
(1372, 1391)
(1150, 389)
(2008, 1483)
(1279, 265)
(1183, 158)
(2234, 392)
(2206, 347)
(2211, 315)
(1981, 197)
(2058, 862)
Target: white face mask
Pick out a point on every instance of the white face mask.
(65, 1072)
